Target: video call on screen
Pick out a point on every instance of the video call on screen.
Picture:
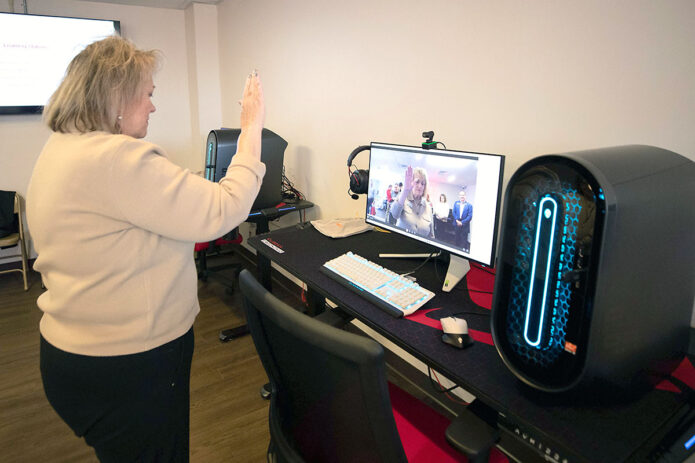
(448, 173)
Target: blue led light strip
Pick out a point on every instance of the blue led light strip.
(209, 165)
(690, 443)
(547, 211)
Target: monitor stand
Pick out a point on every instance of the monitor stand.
(458, 266)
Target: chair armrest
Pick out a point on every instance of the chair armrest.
(472, 436)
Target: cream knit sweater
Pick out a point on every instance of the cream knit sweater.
(114, 223)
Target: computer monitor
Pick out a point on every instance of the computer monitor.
(222, 145)
(453, 204)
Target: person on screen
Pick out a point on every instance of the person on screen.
(371, 193)
(463, 213)
(394, 196)
(411, 211)
(441, 218)
(114, 223)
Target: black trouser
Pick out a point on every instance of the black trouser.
(462, 237)
(128, 407)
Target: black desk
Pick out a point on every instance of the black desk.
(610, 432)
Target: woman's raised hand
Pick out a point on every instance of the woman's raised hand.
(252, 116)
(252, 104)
(408, 181)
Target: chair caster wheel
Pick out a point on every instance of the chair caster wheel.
(265, 391)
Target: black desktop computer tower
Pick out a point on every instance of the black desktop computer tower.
(222, 145)
(595, 271)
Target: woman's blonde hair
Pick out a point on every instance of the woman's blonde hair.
(99, 83)
(422, 174)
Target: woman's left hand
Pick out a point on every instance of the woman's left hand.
(253, 103)
(252, 116)
(408, 181)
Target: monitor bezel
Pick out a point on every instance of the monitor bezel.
(436, 244)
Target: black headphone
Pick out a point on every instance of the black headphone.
(359, 178)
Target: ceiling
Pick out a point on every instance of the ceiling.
(171, 4)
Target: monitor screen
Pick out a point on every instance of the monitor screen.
(35, 52)
(453, 200)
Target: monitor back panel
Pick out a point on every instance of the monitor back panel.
(221, 147)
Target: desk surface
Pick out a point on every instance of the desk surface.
(608, 432)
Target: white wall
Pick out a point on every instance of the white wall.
(502, 76)
(204, 72)
(499, 76)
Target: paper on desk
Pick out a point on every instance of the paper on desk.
(340, 228)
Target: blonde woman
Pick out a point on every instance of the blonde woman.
(411, 209)
(114, 223)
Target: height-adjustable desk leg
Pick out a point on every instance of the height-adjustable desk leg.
(264, 268)
(316, 303)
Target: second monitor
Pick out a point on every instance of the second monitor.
(448, 199)
(222, 145)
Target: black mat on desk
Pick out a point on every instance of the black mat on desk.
(604, 433)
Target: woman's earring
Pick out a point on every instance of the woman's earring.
(118, 124)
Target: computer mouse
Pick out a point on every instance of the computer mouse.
(455, 332)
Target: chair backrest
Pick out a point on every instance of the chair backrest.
(329, 395)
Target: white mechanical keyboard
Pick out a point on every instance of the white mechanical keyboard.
(391, 292)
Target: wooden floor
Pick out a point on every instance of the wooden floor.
(228, 416)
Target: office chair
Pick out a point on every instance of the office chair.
(16, 239)
(221, 273)
(329, 395)
(201, 252)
